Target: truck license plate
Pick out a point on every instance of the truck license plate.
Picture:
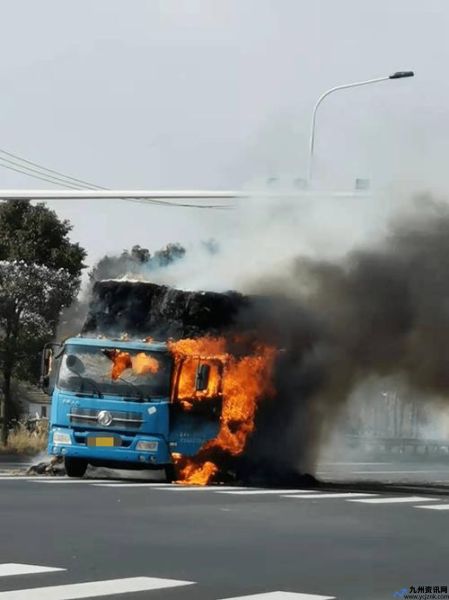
(101, 441)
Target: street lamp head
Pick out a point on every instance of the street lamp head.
(402, 74)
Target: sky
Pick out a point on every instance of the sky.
(217, 94)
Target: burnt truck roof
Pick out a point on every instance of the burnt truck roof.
(119, 344)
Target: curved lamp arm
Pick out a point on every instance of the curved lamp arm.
(397, 75)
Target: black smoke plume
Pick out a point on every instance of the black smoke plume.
(383, 310)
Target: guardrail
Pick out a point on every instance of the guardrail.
(399, 445)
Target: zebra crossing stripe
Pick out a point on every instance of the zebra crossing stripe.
(94, 589)
(9, 569)
(282, 596)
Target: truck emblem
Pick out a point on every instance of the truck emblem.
(104, 418)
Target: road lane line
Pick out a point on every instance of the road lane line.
(434, 506)
(265, 491)
(282, 596)
(331, 495)
(62, 480)
(94, 589)
(47, 479)
(202, 488)
(397, 500)
(9, 569)
(155, 486)
(22, 478)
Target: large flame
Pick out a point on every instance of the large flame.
(241, 381)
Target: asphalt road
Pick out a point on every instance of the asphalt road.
(408, 470)
(208, 544)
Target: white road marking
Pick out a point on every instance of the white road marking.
(93, 589)
(47, 479)
(155, 486)
(265, 491)
(435, 506)
(22, 478)
(8, 569)
(397, 500)
(63, 480)
(202, 488)
(282, 596)
(331, 495)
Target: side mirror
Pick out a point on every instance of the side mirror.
(47, 371)
(46, 361)
(202, 377)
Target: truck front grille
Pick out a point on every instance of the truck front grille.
(128, 421)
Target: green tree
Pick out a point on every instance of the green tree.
(40, 273)
(137, 261)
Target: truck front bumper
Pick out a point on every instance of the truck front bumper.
(96, 447)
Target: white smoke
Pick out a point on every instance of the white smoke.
(261, 235)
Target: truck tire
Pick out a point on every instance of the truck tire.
(75, 467)
(170, 473)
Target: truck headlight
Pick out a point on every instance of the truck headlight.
(146, 445)
(61, 438)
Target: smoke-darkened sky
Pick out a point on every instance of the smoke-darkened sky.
(217, 93)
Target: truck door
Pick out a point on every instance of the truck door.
(196, 404)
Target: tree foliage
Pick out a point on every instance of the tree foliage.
(35, 234)
(40, 270)
(137, 261)
(31, 297)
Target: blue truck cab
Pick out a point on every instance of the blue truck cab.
(125, 419)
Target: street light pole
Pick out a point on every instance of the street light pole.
(397, 75)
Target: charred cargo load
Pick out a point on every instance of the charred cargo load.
(140, 308)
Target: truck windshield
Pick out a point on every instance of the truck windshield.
(128, 373)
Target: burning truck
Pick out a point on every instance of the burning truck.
(158, 378)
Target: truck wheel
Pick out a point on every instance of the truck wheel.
(170, 473)
(75, 467)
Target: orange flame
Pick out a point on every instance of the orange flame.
(141, 363)
(120, 361)
(241, 381)
(194, 474)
